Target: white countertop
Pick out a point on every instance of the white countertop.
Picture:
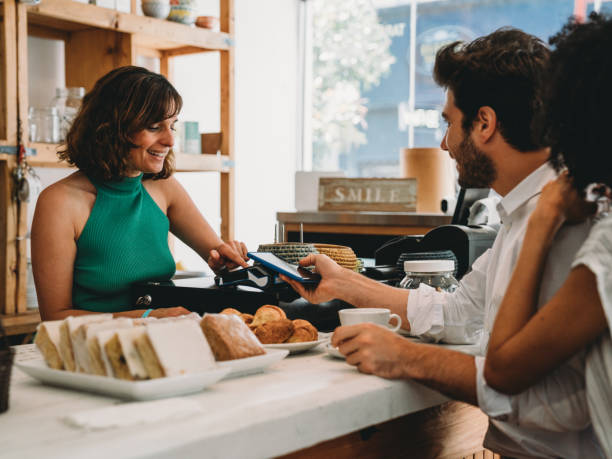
(298, 402)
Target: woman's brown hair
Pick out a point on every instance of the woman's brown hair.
(121, 103)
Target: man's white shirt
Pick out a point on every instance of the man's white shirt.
(551, 418)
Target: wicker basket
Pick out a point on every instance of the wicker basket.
(6, 364)
(291, 252)
(341, 254)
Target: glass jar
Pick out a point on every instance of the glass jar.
(67, 101)
(437, 274)
(44, 124)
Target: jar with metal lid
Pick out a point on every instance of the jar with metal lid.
(437, 274)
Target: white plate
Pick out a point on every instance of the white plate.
(333, 351)
(134, 390)
(295, 348)
(250, 365)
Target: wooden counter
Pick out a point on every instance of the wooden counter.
(363, 231)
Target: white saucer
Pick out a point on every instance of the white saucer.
(333, 351)
(295, 348)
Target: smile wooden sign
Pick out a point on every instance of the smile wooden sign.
(368, 194)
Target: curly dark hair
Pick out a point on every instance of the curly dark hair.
(121, 103)
(580, 99)
(504, 70)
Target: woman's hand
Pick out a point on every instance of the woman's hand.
(560, 202)
(228, 255)
(331, 279)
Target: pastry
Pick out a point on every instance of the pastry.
(95, 361)
(67, 328)
(267, 313)
(303, 331)
(229, 337)
(123, 355)
(48, 343)
(248, 318)
(174, 348)
(275, 331)
(102, 338)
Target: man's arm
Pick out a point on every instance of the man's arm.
(376, 350)
(346, 285)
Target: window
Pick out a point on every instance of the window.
(368, 89)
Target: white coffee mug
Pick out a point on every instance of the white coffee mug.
(380, 316)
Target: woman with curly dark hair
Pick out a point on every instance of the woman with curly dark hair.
(527, 344)
(106, 226)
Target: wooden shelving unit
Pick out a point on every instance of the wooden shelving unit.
(96, 40)
(46, 156)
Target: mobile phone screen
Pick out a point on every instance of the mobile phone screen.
(297, 273)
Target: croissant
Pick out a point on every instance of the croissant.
(303, 331)
(267, 313)
(275, 331)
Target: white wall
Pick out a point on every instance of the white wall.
(266, 101)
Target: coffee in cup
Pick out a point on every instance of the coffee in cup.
(380, 316)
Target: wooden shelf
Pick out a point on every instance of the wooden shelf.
(18, 324)
(202, 163)
(97, 40)
(70, 16)
(46, 156)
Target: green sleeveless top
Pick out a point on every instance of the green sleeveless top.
(125, 240)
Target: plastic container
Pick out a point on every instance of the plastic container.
(437, 274)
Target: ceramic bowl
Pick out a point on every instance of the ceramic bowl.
(207, 22)
(183, 13)
(156, 9)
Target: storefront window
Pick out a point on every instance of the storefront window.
(368, 86)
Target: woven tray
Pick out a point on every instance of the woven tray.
(291, 252)
(341, 254)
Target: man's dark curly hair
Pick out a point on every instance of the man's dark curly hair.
(504, 70)
(121, 103)
(578, 121)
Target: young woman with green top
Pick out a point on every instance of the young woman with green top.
(106, 226)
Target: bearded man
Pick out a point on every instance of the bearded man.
(494, 96)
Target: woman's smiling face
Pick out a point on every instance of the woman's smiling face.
(153, 145)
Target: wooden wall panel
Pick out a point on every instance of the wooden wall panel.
(8, 253)
(91, 54)
(227, 122)
(453, 430)
(8, 73)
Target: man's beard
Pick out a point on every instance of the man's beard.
(476, 169)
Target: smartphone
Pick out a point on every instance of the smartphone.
(271, 261)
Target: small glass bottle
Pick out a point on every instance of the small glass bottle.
(59, 103)
(44, 125)
(435, 273)
(67, 101)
